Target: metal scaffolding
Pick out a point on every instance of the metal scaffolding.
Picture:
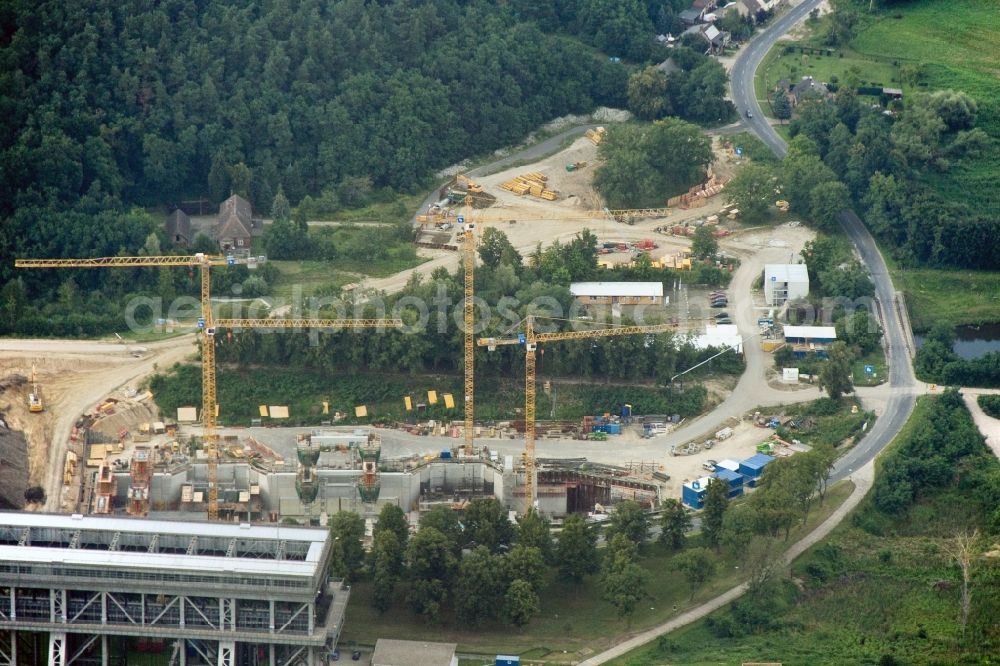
(220, 594)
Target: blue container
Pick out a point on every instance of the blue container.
(692, 496)
(507, 660)
(613, 428)
(445, 455)
(731, 479)
(754, 466)
(627, 411)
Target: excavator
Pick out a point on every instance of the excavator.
(35, 397)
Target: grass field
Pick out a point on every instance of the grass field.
(303, 278)
(876, 360)
(956, 297)
(956, 44)
(858, 598)
(577, 623)
(779, 65)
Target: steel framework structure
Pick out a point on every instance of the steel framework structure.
(222, 594)
(469, 261)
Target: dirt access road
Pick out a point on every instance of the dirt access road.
(542, 222)
(74, 376)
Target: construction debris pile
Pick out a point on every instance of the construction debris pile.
(699, 195)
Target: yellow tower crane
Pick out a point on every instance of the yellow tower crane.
(530, 339)
(469, 264)
(202, 261)
(207, 325)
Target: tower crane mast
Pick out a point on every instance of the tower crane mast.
(530, 339)
(208, 326)
(469, 264)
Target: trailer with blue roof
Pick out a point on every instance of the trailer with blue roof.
(753, 467)
(732, 479)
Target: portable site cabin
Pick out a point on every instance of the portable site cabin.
(693, 492)
(806, 339)
(753, 467)
(732, 479)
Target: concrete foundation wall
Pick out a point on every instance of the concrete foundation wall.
(338, 487)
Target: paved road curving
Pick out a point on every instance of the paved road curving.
(858, 463)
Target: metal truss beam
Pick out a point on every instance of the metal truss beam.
(296, 658)
(84, 646)
(227, 653)
(57, 648)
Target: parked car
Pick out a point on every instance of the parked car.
(356, 655)
(719, 304)
(709, 465)
(335, 655)
(724, 321)
(722, 315)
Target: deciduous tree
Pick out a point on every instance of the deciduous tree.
(521, 603)
(827, 201)
(347, 555)
(576, 550)
(752, 191)
(647, 93)
(392, 518)
(533, 531)
(674, 524)
(630, 520)
(479, 586)
(487, 524)
(430, 565)
(716, 503)
(525, 563)
(623, 582)
(834, 376)
(386, 564)
(704, 245)
(697, 565)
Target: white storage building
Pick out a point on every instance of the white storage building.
(784, 282)
(624, 293)
(723, 335)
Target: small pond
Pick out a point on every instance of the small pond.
(972, 341)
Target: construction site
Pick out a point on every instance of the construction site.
(117, 454)
(81, 437)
